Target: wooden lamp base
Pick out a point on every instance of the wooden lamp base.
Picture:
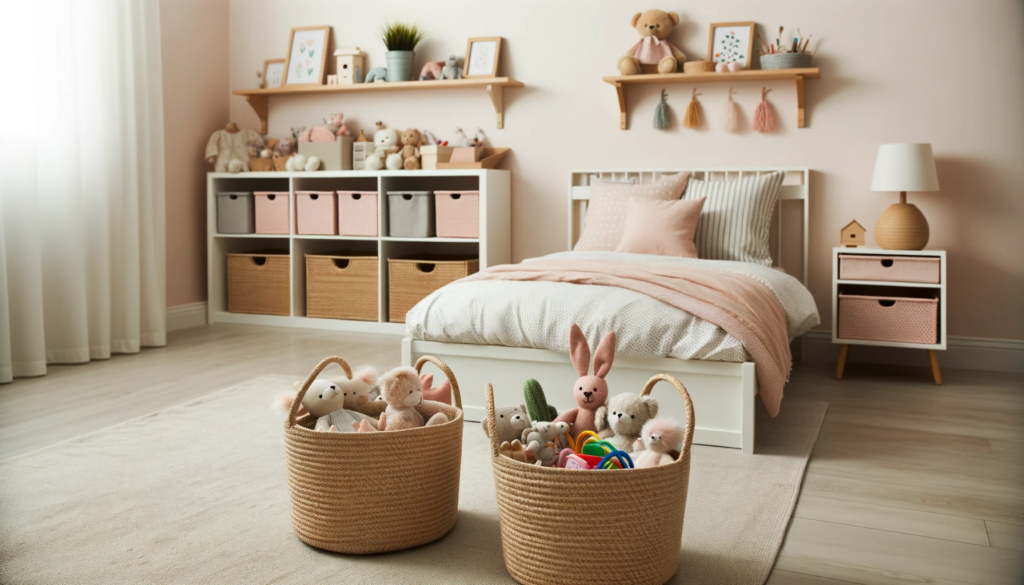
(902, 227)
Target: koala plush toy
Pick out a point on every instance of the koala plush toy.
(511, 422)
(627, 415)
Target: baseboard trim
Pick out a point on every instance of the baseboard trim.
(962, 353)
(185, 316)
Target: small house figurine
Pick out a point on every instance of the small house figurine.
(351, 65)
(852, 235)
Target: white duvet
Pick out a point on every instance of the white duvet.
(538, 314)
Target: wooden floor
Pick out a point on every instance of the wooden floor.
(909, 482)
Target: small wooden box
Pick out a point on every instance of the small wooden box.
(431, 155)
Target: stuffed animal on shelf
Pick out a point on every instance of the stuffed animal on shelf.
(510, 424)
(376, 74)
(325, 401)
(627, 415)
(662, 440)
(653, 54)
(451, 69)
(333, 128)
(536, 403)
(431, 68)
(442, 393)
(285, 147)
(401, 389)
(590, 391)
(229, 149)
(411, 141)
(387, 144)
(539, 442)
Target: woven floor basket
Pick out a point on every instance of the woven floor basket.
(410, 280)
(629, 522)
(362, 493)
(341, 287)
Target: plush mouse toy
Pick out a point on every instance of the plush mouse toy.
(662, 442)
(627, 415)
(590, 391)
(325, 401)
(401, 388)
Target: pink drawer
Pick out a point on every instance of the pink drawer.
(889, 268)
(271, 212)
(458, 214)
(357, 213)
(316, 213)
(900, 319)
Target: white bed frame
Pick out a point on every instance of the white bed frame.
(723, 393)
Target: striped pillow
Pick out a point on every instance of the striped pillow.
(736, 218)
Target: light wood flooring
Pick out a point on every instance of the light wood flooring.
(909, 482)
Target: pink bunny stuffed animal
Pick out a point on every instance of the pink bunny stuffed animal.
(441, 393)
(590, 391)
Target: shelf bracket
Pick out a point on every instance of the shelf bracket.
(621, 90)
(799, 101)
(497, 98)
(259, 105)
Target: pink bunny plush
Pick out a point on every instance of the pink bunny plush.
(441, 393)
(590, 391)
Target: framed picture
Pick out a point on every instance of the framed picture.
(273, 73)
(306, 63)
(731, 42)
(482, 55)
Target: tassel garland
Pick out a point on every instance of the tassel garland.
(661, 113)
(731, 119)
(692, 117)
(764, 120)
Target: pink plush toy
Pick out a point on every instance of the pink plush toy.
(432, 68)
(442, 393)
(401, 388)
(334, 127)
(590, 391)
(662, 442)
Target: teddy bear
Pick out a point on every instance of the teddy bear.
(511, 422)
(387, 145)
(356, 392)
(401, 389)
(653, 54)
(325, 400)
(590, 392)
(662, 443)
(627, 415)
(539, 442)
(411, 140)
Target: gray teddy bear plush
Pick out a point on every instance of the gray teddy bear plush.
(627, 414)
(451, 69)
(511, 422)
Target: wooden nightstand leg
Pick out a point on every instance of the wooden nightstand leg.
(933, 358)
(844, 350)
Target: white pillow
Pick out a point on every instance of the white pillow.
(736, 218)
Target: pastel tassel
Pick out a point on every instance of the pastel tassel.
(661, 113)
(692, 117)
(763, 121)
(731, 120)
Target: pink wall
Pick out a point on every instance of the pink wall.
(939, 71)
(194, 42)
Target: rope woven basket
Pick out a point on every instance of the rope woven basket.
(362, 493)
(629, 521)
(699, 66)
(258, 283)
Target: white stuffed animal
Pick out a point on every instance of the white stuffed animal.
(325, 401)
(356, 391)
(387, 143)
(297, 162)
(539, 441)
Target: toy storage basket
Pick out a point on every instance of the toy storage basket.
(412, 279)
(362, 493)
(458, 214)
(357, 213)
(259, 283)
(536, 504)
(341, 287)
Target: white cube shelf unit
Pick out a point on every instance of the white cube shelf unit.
(493, 247)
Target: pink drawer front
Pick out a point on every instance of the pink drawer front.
(898, 319)
(316, 213)
(357, 213)
(458, 214)
(271, 212)
(889, 268)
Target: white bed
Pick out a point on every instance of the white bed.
(505, 332)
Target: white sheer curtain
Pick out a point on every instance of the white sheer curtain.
(82, 252)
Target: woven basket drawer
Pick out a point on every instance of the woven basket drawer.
(316, 212)
(458, 214)
(259, 283)
(341, 287)
(889, 268)
(235, 213)
(357, 213)
(899, 319)
(411, 279)
(271, 212)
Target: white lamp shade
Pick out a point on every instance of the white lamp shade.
(905, 167)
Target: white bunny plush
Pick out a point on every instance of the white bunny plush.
(590, 392)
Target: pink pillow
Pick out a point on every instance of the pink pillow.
(663, 228)
(606, 212)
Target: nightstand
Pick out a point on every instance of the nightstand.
(889, 298)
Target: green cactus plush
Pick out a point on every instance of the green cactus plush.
(536, 403)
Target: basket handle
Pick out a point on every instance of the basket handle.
(492, 424)
(294, 412)
(447, 373)
(688, 436)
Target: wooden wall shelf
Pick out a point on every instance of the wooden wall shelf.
(495, 86)
(797, 75)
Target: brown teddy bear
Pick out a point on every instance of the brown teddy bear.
(411, 140)
(653, 54)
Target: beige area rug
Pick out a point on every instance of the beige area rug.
(197, 494)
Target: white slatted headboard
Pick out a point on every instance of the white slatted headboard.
(795, 189)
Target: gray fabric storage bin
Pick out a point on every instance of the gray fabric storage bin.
(236, 213)
(411, 214)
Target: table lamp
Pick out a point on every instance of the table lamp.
(903, 167)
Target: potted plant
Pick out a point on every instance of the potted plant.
(401, 39)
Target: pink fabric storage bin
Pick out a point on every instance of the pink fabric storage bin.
(271, 212)
(899, 319)
(457, 213)
(889, 268)
(316, 213)
(357, 213)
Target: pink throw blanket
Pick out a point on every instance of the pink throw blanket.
(744, 307)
